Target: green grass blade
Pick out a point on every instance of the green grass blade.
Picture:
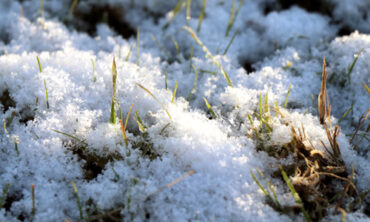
(165, 79)
(15, 141)
(208, 72)
(4, 195)
(295, 194)
(366, 87)
(129, 52)
(350, 69)
(72, 8)
(138, 47)
(176, 45)
(154, 97)
(231, 19)
(77, 199)
(210, 109)
(174, 92)
(230, 42)
(188, 8)
(260, 186)
(194, 84)
(124, 127)
(10, 119)
(46, 95)
(139, 122)
(160, 46)
(209, 54)
(271, 188)
(179, 6)
(94, 72)
(241, 2)
(114, 80)
(345, 114)
(287, 95)
(201, 16)
(41, 8)
(71, 136)
(39, 63)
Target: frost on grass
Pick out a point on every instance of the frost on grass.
(181, 162)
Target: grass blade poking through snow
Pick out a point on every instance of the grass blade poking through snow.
(345, 114)
(4, 195)
(260, 186)
(210, 108)
(94, 72)
(231, 41)
(15, 140)
(209, 54)
(123, 127)
(188, 7)
(114, 79)
(201, 16)
(140, 123)
(174, 92)
(41, 8)
(295, 194)
(77, 200)
(350, 68)
(172, 14)
(46, 89)
(287, 95)
(129, 52)
(194, 84)
(154, 97)
(233, 16)
(366, 87)
(72, 8)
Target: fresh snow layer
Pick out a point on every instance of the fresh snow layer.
(284, 47)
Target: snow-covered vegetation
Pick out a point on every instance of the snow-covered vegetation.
(180, 110)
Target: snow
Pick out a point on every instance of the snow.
(283, 47)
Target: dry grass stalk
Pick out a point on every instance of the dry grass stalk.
(323, 99)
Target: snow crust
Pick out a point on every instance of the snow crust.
(284, 47)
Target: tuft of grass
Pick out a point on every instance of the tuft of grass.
(287, 95)
(4, 195)
(129, 52)
(138, 47)
(174, 92)
(174, 12)
(77, 200)
(209, 54)
(33, 212)
(233, 16)
(350, 68)
(295, 194)
(201, 16)
(124, 127)
(194, 84)
(154, 97)
(230, 42)
(114, 80)
(210, 108)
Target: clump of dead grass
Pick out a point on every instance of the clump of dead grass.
(321, 179)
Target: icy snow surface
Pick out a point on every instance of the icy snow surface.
(279, 48)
